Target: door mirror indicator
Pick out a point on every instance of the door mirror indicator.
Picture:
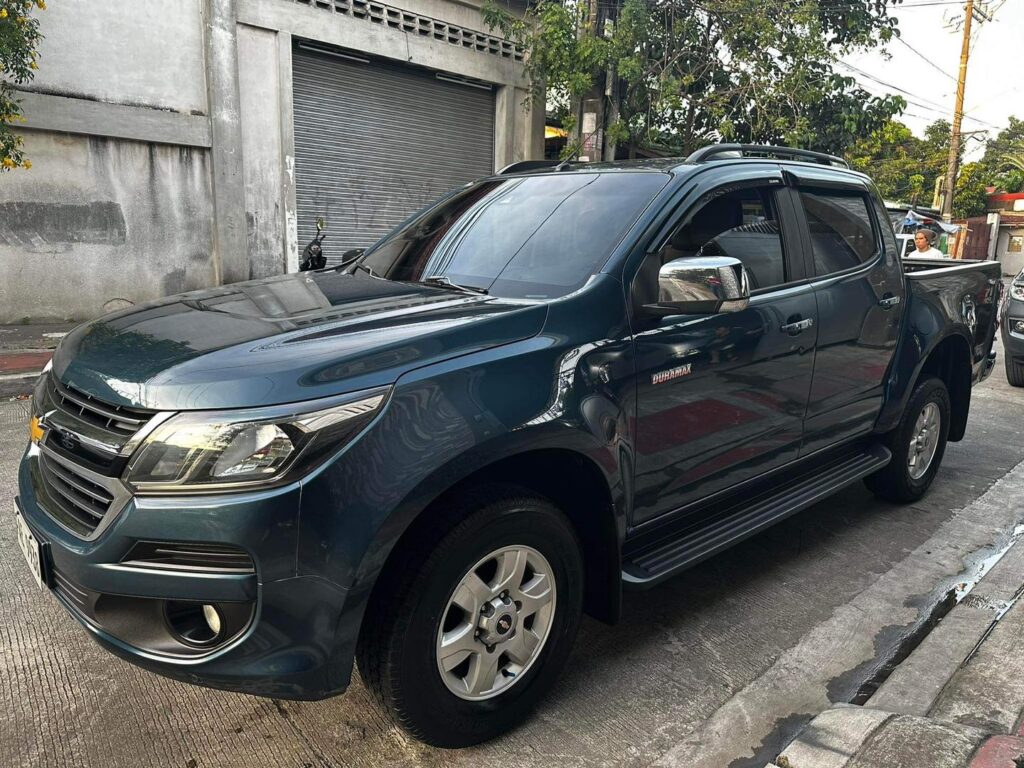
(701, 285)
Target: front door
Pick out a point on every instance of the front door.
(721, 398)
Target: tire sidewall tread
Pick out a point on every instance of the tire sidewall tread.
(893, 482)
(396, 650)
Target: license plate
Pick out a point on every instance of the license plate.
(30, 548)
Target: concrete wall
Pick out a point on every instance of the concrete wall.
(1012, 262)
(138, 52)
(100, 222)
(162, 144)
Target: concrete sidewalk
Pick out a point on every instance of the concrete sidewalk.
(24, 351)
(956, 701)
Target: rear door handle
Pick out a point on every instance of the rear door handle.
(798, 327)
(889, 302)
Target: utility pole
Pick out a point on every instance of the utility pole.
(958, 110)
(590, 109)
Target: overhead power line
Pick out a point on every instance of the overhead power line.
(925, 59)
(913, 98)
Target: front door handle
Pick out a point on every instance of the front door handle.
(889, 302)
(793, 329)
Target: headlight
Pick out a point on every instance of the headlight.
(215, 450)
(1017, 291)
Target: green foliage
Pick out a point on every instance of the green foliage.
(1004, 156)
(970, 197)
(903, 166)
(689, 72)
(19, 38)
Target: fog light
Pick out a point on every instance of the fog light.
(212, 617)
(1018, 326)
(194, 624)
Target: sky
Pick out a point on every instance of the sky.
(995, 80)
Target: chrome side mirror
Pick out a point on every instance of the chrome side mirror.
(702, 285)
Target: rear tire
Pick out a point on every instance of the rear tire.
(917, 443)
(454, 676)
(1014, 371)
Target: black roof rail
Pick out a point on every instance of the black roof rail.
(764, 150)
(528, 165)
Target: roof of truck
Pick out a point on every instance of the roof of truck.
(714, 153)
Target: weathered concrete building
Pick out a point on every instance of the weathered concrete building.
(186, 144)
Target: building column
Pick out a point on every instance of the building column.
(230, 255)
(287, 117)
(505, 120)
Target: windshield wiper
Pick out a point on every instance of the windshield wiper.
(369, 269)
(443, 282)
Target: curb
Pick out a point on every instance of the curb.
(19, 370)
(958, 689)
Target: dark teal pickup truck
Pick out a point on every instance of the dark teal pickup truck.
(552, 384)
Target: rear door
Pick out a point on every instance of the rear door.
(721, 398)
(855, 269)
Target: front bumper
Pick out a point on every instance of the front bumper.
(1013, 342)
(286, 644)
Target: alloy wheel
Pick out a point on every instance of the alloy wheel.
(496, 623)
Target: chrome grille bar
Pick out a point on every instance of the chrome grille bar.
(119, 419)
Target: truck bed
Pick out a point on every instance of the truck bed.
(960, 292)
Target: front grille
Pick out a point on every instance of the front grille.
(117, 419)
(81, 455)
(78, 498)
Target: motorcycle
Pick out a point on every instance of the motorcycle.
(313, 254)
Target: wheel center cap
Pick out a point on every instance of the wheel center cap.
(498, 621)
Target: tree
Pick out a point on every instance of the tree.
(19, 38)
(677, 74)
(970, 196)
(903, 166)
(1004, 157)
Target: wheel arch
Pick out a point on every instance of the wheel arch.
(947, 357)
(950, 361)
(572, 480)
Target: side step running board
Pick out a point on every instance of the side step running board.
(732, 524)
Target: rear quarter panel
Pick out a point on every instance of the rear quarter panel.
(945, 298)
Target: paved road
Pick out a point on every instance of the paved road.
(712, 668)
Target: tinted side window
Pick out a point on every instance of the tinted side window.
(743, 224)
(888, 234)
(841, 232)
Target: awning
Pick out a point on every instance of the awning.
(913, 217)
(551, 132)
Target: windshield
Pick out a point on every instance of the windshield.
(537, 237)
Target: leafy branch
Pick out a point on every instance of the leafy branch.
(19, 40)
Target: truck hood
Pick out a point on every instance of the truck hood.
(282, 339)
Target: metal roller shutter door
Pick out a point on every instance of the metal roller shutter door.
(375, 142)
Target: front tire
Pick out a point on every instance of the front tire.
(917, 444)
(464, 639)
(1014, 371)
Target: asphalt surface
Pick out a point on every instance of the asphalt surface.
(716, 667)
